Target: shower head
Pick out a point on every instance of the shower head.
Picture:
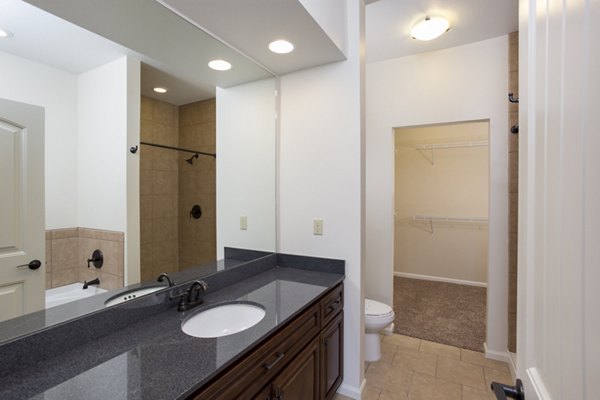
(191, 159)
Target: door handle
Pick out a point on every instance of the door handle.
(504, 392)
(33, 264)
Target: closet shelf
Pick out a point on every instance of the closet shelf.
(441, 146)
(428, 218)
(454, 145)
(452, 220)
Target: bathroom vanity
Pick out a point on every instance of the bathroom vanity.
(301, 360)
(138, 350)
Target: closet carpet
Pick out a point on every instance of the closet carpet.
(440, 312)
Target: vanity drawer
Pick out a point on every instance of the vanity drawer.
(332, 304)
(247, 378)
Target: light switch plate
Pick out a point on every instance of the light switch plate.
(317, 226)
(244, 223)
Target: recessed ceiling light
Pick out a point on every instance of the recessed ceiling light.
(159, 89)
(219, 65)
(4, 34)
(281, 46)
(430, 28)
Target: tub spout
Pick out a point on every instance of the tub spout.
(92, 282)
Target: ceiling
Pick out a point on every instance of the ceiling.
(44, 38)
(47, 39)
(388, 23)
(176, 54)
(114, 28)
(251, 25)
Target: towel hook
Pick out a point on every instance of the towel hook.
(512, 99)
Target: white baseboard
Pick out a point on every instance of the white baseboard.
(537, 384)
(352, 391)
(497, 355)
(439, 279)
(512, 366)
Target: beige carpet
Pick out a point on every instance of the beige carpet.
(440, 312)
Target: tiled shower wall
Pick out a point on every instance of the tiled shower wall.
(197, 184)
(67, 252)
(513, 173)
(169, 186)
(159, 187)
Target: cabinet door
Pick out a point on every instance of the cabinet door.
(265, 394)
(300, 379)
(332, 360)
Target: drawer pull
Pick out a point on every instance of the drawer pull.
(333, 305)
(279, 355)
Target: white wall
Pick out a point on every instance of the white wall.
(452, 183)
(458, 84)
(321, 176)
(55, 90)
(102, 151)
(246, 166)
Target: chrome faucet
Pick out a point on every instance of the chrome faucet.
(190, 298)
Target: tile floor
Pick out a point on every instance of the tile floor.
(415, 369)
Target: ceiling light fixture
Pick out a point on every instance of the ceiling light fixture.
(281, 46)
(219, 65)
(4, 34)
(159, 89)
(430, 28)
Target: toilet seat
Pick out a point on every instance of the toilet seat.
(375, 309)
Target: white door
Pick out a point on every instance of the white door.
(558, 345)
(21, 209)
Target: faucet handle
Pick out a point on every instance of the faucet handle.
(197, 287)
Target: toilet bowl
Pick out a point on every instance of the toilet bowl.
(377, 317)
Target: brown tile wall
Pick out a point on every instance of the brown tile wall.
(197, 184)
(513, 173)
(159, 189)
(67, 252)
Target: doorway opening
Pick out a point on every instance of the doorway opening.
(441, 192)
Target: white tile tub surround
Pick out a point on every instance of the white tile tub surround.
(68, 293)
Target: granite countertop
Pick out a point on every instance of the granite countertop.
(154, 359)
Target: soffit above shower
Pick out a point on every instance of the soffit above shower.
(250, 25)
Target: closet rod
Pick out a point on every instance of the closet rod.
(427, 218)
(162, 146)
(462, 220)
(481, 143)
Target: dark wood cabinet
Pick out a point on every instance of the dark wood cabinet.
(300, 379)
(332, 357)
(302, 360)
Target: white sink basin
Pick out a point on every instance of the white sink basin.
(223, 320)
(131, 295)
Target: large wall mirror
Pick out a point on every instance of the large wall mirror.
(159, 182)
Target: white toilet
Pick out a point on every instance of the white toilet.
(377, 317)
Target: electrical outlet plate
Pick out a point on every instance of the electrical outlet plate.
(244, 223)
(317, 226)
